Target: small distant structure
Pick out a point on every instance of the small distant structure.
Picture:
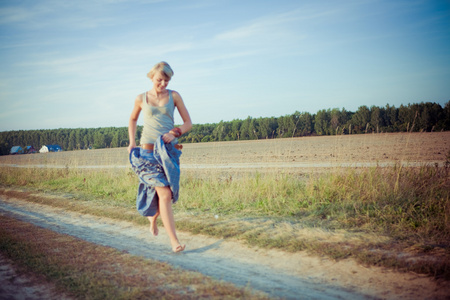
(50, 148)
(16, 150)
(30, 150)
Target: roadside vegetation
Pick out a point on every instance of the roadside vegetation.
(83, 270)
(396, 217)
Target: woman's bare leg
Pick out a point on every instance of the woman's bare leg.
(166, 212)
(153, 224)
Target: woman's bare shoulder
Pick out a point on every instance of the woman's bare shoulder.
(139, 98)
(176, 96)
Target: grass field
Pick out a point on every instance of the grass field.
(382, 199)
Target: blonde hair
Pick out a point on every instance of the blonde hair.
(162, 67)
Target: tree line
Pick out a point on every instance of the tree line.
(68, 139)
(412, 117)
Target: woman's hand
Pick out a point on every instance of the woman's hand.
(130, 147)
(168, 137)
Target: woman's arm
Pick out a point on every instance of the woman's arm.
(133, 123)
(187, 123)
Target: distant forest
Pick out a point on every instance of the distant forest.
(413, 117)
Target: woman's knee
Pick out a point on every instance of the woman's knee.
(164, 193)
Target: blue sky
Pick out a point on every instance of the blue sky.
(80, 64)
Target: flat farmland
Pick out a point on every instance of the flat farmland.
(350, 236)
(292, 153)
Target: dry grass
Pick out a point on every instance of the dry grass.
(89, 271)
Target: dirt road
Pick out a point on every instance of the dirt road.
(279, 274)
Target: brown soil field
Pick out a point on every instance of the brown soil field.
(293, 153)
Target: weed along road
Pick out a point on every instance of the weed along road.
(276, 273)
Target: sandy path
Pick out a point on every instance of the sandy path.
(279, 274)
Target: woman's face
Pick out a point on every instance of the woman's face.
(160, 81)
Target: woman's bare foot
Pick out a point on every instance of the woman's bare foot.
(154, 228)
(154, 225)
(179, 248)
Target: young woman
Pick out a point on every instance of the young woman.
(156, 161)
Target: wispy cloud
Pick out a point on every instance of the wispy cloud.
(16, 14)
(104, 57)
(64, 14)
(274, 25)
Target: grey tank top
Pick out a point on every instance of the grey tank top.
(157, 119)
